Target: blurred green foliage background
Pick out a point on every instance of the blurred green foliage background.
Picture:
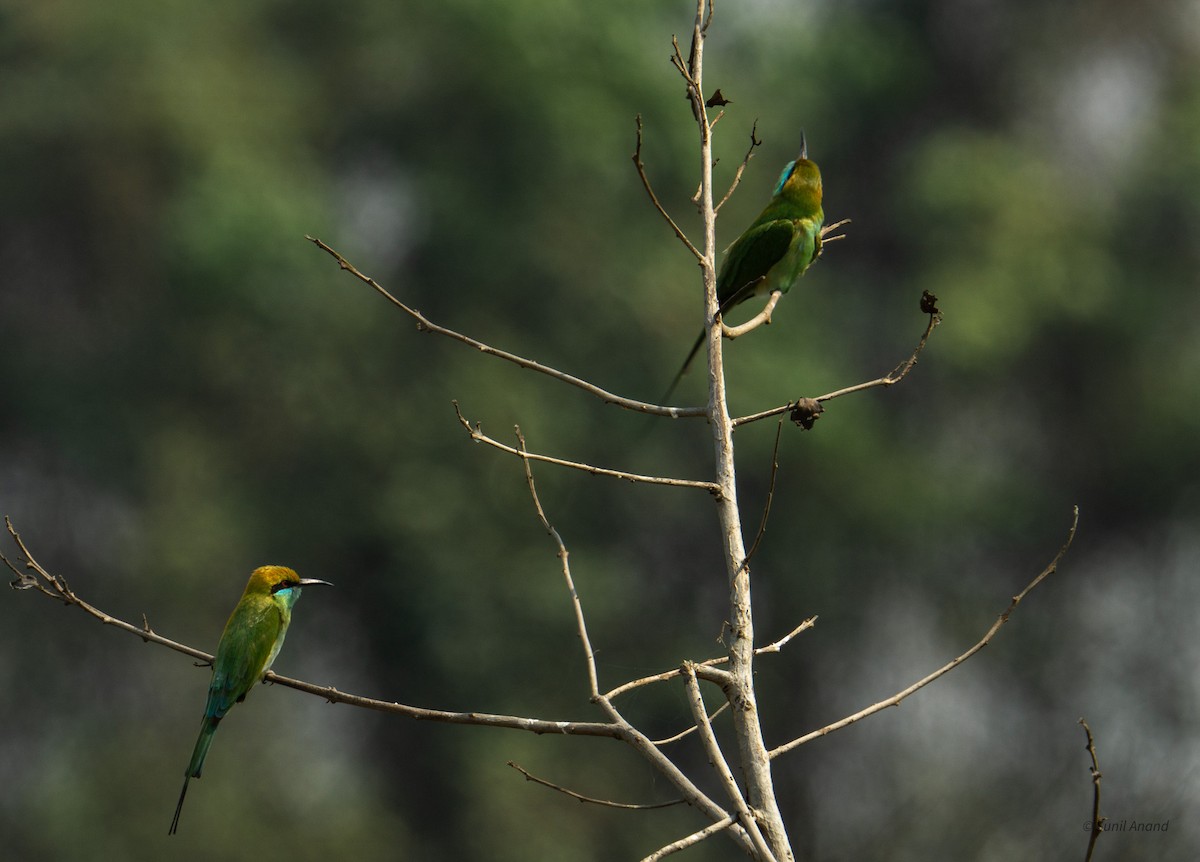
(191, 390)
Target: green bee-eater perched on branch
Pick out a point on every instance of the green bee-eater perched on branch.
(249, 644)
(776, 249)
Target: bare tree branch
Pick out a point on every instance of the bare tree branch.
(716, 759)
(752, 756)
(737, 177)
(685, 68)
(564, 559)
(694, 796)
(826, 230)
(478, 436)
(424, 324)
(890, 379)
(56, 587)
(641, 169)
(685, 733)
(762, 524)
(783, 641)
(608, 803)
(945, 669)
(760, 319)
(688, 841)
(1097, 820)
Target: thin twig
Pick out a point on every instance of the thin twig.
(945, 669)
(824, 238)
(763, 318)
(56, 587)
(783, 641)
(689, 840)
(830, 228)
(679, 63)
(890, 379)
(424, 324)
(685, 733)
(737, 177)
(608, 803)
(657, 677)
(564, 559)
(762, 524)
(478, 436)
(1097, 820)
(641, 169)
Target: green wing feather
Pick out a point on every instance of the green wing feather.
(750, 258)
(746, 265)
(246, 647)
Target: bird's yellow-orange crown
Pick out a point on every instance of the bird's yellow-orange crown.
(265, 578)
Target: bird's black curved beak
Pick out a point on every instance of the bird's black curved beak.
(304, 582)
(803, 146)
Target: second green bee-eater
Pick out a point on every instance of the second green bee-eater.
(777, 247)
(249, 644)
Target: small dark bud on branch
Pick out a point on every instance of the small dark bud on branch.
(806, 412)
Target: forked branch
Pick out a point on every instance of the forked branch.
(716, 759)
(709, 663)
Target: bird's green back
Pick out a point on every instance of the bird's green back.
(251, 640)
(781, 243)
